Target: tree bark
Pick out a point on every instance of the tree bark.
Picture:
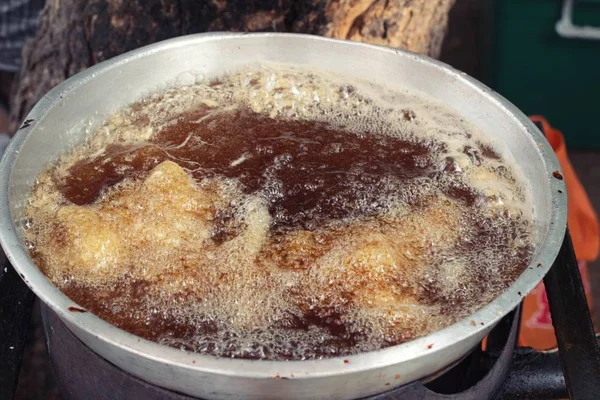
(76, 34)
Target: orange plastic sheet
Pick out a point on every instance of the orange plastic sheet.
(536, 324)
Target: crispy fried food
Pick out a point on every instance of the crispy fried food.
(167, 211)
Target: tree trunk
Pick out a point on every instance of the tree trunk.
(74, 35)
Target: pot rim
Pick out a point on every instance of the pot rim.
(436, 341)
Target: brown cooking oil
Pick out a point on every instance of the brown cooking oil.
(282, 214)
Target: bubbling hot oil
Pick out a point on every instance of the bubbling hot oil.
(280, 214)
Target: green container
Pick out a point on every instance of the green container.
(539, 71)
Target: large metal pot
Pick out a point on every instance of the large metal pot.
(67, 114)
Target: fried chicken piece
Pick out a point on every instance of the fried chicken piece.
(374, 267)
(86, 243)
(140, 231)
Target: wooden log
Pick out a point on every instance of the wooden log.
(74, 35)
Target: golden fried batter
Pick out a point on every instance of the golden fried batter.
(104, 241)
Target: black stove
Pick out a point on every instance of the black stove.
(502, 371)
